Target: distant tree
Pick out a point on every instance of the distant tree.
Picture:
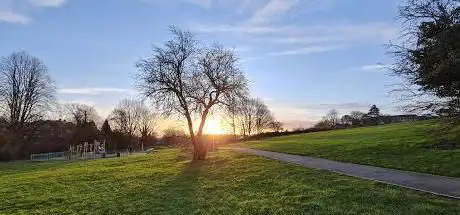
(322, 124)
(247, 110)
(175, 137)
(231, 113)
(126, 118)
(185, 78)
(81, 114)
(357, 117)
(333, 118)
(428, 56)
(106, 127)
(26, 89)
(86, 132)
(147, 122)
(108, 134)
(277, 126)
(374, 112)
(373, 117)
(346, 120)
(263, 116)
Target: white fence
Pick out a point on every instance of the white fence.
(48, 156)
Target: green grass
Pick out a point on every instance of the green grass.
(398, 146)
(227, 183)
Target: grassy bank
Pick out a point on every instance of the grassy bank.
(400, 146)
(228, 183)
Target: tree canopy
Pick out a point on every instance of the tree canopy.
(429, 56)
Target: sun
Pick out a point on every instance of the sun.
(213, 126)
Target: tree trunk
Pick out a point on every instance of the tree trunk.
(200, 146)
(200, 150)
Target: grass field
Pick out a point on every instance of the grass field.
(227, 183)
(399, 146)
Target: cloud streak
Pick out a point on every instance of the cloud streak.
(306, 50)
(14, 18)
(272, 9)
(375, 68)
(48, 3)
(94, 91)
(17, 12)
(202, 3)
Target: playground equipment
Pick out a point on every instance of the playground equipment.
(87, 150)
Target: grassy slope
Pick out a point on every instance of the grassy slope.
(399, 146)
(228, 183)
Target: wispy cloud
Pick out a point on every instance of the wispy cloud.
(85, 102)
(370, 68)
(307, 34)
(306, 50)
(48, 3)
(18, 11)
(240, 28)
(375, 68)
(201, 3)
(272, 9)
(14, 18)
(94, 91)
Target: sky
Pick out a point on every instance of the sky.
(302, 57)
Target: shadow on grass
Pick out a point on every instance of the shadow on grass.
(176, 194)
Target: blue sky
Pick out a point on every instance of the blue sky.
(303, 57)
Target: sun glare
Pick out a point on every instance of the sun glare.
(213, 126)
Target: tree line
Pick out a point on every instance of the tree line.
(333, 120)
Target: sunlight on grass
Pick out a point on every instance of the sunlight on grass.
(227, 183)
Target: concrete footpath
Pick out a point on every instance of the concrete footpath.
(439, 185)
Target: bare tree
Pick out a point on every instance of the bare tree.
(277, 126)
(263, 116)
(26, 89)
(252, 116)
(81, 114)
(126, 117)
(346, 120)
(147, 122)
(332, 117)
(247, 110)
(231, 114)
(186, 79)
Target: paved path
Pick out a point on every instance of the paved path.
(439, 185)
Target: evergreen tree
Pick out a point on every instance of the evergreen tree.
(374, 112)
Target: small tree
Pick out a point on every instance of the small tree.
(185, 78)
(333, 118)
(106, 127)
(147, 122)
(107, 132)
(346, 120)
(263, 116)
(247, 110)
(277, 126)
(374, 112)
(126, 117)
(356, 117)
(81, 114)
